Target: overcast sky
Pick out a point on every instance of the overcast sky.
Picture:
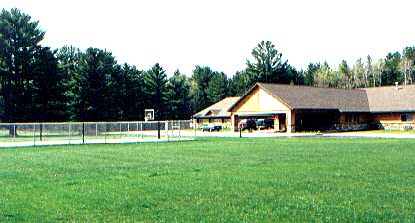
(180, 34)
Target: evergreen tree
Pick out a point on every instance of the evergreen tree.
(129, 94)
(217, 87)
(68, 62)
(292, 76)
(391, 72)
(179, 97)
(91, 90)
(19, 41)
(155, 87)
(239, 83)
(268, 66)
(48, 95)
(200, 83)
(311, 74)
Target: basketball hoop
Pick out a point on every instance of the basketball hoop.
(148, 114)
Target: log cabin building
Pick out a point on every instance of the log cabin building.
(305, 108)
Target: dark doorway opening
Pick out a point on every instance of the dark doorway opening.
(311, 120)
(282, 121)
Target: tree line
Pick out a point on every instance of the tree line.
(40, 84)
(394, 68)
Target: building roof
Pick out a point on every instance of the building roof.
(380, 99)
(219, 109)
(391, 98)
(305, 97)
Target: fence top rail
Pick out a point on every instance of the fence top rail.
(80, 123)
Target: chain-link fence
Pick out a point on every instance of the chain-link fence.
(32, 134)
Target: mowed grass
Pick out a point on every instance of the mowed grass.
(212, 180)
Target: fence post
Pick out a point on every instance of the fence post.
(69, 132)
(172, 129)
(105, 133)
(166, 128)
(96, 129)
(120, 131)
(180, 129)
(141, 128)
(34, 134)
(158, 129)
(194, 127)
(137, 132)
(83, 132)
(14, 131)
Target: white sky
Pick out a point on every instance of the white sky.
(222, 33)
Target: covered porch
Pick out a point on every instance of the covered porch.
(282, 121)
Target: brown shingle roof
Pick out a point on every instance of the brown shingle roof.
(219, 109)
(391, 99)
(377, 99)
(305, 97)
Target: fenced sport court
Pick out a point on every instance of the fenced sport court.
(34, 134)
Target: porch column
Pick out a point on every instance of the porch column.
(290, 121)
(276, 123)
(234, 123)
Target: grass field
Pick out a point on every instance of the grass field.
(212, 180)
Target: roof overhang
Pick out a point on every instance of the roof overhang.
(259, 114)
(222, 116)
(392, 111)
(328, 109)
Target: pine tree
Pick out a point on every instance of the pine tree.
(155, 87)
(129, 94)
(19, 41)
(179, 97)
(217, 88)
(199, 85)
(92, 97)
(48, 94)
(268, 66)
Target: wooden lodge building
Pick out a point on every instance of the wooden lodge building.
(217, 113)
(304, 108)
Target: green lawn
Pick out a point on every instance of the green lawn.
(214, 180)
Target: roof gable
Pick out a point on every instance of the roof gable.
(259, 100)
(219, 109)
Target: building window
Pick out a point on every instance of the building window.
(407, 117)
(211, 120)
(199, 120)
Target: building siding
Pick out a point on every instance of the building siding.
(259, 101)
(393, 121)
